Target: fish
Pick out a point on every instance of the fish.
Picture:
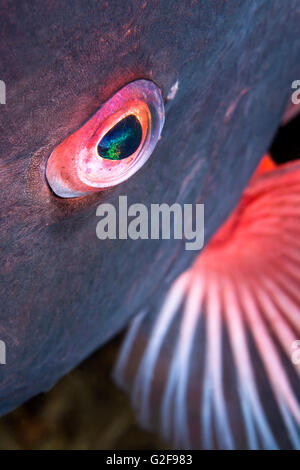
(224, 71)
(217, 366)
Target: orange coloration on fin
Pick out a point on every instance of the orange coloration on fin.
(266, 164)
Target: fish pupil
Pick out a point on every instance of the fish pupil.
(122, 140)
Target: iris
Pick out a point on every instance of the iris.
(122, 140)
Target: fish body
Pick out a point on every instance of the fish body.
(63, 292)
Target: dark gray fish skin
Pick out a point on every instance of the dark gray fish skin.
(63, 293)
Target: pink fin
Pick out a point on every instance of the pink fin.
(217, 365)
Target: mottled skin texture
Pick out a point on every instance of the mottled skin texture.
(63, 292)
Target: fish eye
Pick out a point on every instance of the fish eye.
(112, 145)
(122, 140)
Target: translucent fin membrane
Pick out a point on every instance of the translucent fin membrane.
(213, 367)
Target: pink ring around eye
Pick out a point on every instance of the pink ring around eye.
(96, 156)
